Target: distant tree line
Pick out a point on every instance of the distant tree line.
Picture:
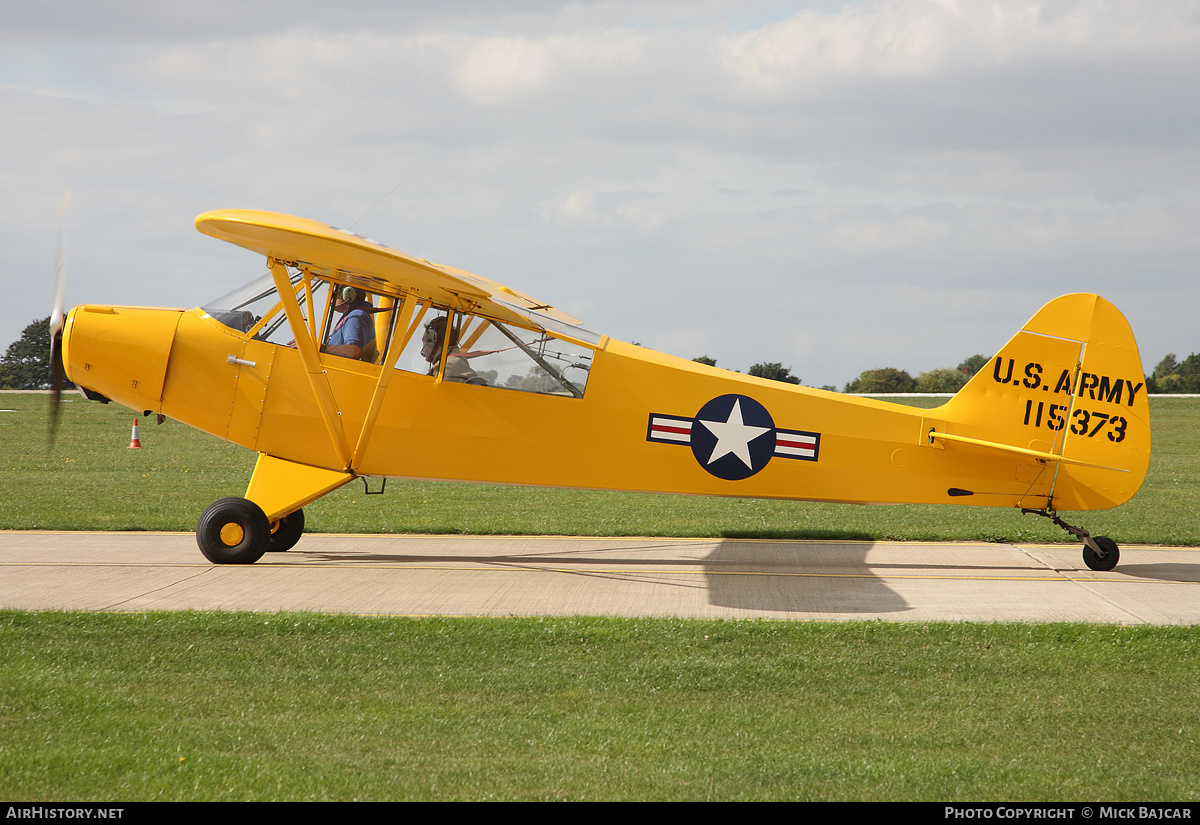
(26, 366)
(775, 371)
(943, 379)
(26, 363)
(888, 379)
(1171, 376)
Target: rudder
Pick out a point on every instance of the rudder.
(1069, 383)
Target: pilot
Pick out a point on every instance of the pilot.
(354, 335)
(457, 368)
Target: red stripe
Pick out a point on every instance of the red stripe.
(665, 428)
(806, 444)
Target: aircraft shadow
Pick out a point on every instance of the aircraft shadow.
(797, 578)
(1170, 572)
(758, 576)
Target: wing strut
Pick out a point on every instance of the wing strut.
(400, 320)
(312, 363)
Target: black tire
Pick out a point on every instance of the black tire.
(1111, 554)
(286, 532)
(233, 531)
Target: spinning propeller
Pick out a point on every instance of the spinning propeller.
(57, 318)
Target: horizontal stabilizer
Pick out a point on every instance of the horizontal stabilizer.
(1041, 456)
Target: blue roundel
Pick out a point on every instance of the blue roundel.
(733, 437)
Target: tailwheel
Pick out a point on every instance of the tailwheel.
(286, 532)
(233, 531)
(1104, 560)
(1099, 552)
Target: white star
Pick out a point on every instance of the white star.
(733, 436)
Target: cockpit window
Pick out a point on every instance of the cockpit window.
(355, 327)
(421, 354)
(349, 322)
(474, 350)
(256, 308)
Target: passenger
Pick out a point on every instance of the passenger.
(457, 368)
(354, 335)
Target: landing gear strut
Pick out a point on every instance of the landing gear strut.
(1099, 552)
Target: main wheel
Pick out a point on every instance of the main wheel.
(1106, 562)
(286, 532)
(233, 531)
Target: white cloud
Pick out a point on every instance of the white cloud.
(813, 52)
(497, 71)
(818, 183)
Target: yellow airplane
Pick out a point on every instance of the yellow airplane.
(350, 359)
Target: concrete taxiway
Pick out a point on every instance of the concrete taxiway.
(552, 576)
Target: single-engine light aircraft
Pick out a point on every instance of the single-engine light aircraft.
(350, 359)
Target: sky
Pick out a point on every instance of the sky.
(834, 186)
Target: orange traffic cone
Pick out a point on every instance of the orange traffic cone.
(135, 443)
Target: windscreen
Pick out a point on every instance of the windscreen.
(256, 308)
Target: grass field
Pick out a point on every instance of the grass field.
(199, 706)
(202, 706)
(179, 472)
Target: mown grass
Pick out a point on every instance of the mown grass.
(200, 706)
(193, 706)
(91, 480)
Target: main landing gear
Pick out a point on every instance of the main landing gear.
(236, 531)
(1099, 552)
(286, 532)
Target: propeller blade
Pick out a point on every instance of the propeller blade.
(57, 318)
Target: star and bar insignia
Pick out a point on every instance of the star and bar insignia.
(733, 437)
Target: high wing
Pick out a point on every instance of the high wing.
(330, 252)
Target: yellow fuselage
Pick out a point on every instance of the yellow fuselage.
(638, 425)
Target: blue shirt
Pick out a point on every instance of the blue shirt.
(355, 328)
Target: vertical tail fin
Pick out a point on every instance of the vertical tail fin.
(1070, 384)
